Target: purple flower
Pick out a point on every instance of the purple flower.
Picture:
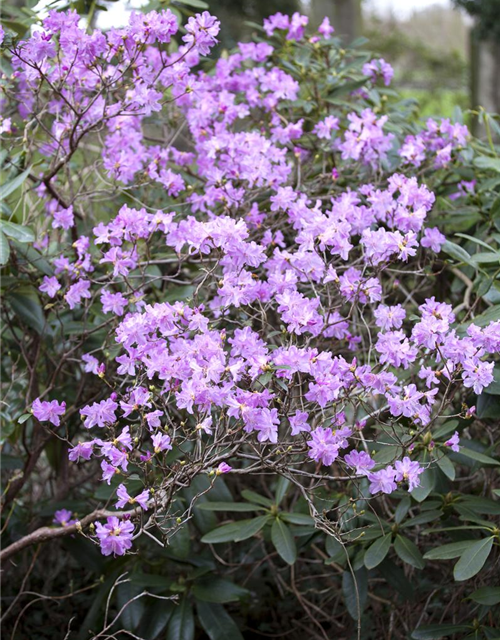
(115, 537)
(113, 302)
(108, 471)
(48, 411)
(323, 447)
(100, 413)
(298, 422)
(63, 219)
(453, 442)
(81, 450)
(50, 286)
(389, 317)
(77, 292)
(161, 442)
(63, 518)
(433, 239)
(360, 461)
(223, 468)
(383, 480)
(408, 471)
(124, 498)
(379, 68)
(477, 374)
(201, 32)
(325, 28)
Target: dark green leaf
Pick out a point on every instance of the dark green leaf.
(27, 307)
(297, 518)
(251, 496)
(449, 551)
(236, 531)
(228, 506)
(472, 560)
(283, 541)
(446, 466)
(281, 488)
(377, 551)
(437, 631)
(354, 589)
(181, 624)
(487, 595)
(408, 552)
(213, 589)
(217, 623)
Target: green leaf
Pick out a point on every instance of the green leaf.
(297, 518)
(402, 509)
(219, 590)
(236, 531)
(158, 615)
(446, 466)
(228, 506)
(480, 457)
(281, 488)
(472, 560)
(486, 595)
(408, 552)
(437, 631)
(217, 623)
(27, 307)
(484, 162)
(181, 624)
(7, 188)
(427, 482)
(349, 590)
(16, 231)
(4, 250)
(132, 614)
(377, 551)
(459, 253)
(251, 496)
(283, 541)
(449, 551)
(196, 4)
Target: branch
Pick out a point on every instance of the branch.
(49, 533)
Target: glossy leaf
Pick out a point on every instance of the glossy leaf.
(472, 560)
(408, 552)
(217, 623)
(236, 531)
(181, 625)
(283, 541)
(377, 551)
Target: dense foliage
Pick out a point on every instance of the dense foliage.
(250, 318)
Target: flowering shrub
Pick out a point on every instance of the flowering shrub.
(229, 273)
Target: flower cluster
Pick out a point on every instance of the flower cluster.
(294, 334)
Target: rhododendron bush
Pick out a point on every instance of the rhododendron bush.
(250, 326)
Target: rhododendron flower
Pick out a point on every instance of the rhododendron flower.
(223, 468)
(379, 68)
(323, 447)
(433, 239)
(82, 450)
(453, 442)
(408, 471)
(63, 518)
(124, 498)
(360, 461)
(161, 442)
(115, 537)
(383, 480)
(48, 411)
(50, 285)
